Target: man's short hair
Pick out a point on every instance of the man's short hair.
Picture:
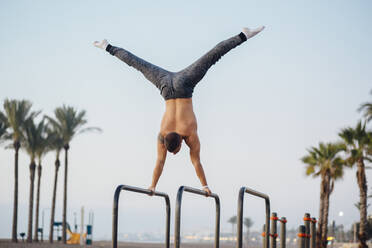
(172, 141)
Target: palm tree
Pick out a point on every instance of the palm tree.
(359, 149)
(31, 143)
(70, 122)
(16, 114)
(325, 162)
(56, 144)
(42, 149)
(248, 223)
(233, 220)
(367, 110)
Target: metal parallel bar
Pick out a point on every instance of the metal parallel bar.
(301, 236)
(307, 221)
(312, 232)
(177, 232)
(263, 235)
(283, 222)
(274, 234)
(142, 191)
(240, 215)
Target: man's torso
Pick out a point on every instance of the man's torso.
(179, 117)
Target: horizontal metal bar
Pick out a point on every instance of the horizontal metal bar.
(177, 233)
(142, 191)
(256, 193)
(198, 192)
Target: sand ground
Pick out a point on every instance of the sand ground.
(100, 244)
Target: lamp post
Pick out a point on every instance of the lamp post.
(341, 234)
(42, 223)
(75, 222)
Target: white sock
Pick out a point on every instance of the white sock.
(103, 44)
(249, 33)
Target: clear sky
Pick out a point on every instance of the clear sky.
(259, 108)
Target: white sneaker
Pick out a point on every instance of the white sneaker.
(103, 44)
(250, 33)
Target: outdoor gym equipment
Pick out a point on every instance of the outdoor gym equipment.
(313, 232)
(302, 236)
(142, 191)
(273, 235)
(178, 214)
(283, 232)
(306, 235)
(306, 232)
(240, 214)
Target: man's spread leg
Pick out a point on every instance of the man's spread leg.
(196, 71)
(153, 73)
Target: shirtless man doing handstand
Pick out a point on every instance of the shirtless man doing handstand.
(179, 122)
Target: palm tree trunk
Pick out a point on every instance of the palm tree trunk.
(16, 146)
(36, 227)
(362, 183)
(51, 227)
(66, 147)
(31, 202)
(319, 230)
(326, 209)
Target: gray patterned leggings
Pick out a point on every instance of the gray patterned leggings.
(178, 84)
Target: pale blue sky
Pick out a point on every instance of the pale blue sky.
(258, 108)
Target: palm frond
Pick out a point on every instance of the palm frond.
(366, 108)
(248, 223)
(34, 141)
(310, 170)
(3, 119)
(55, 136)
(89, 129)
(43, 141)
(17, 112)
(325, 159)
(29, 143)
(233, 219)
(358, 142)
(347, 135)
(9, 146)
(3, 127)
(69, 122)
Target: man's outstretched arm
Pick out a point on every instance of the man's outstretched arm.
(162, 154)
(194, 144)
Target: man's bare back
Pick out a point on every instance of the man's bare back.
(179, 117)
